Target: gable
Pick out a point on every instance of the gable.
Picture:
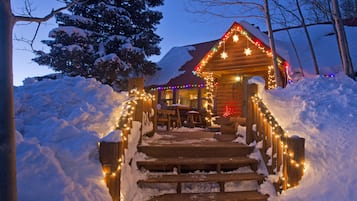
(235, 60)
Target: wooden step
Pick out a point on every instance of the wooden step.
(199, 178)
(217, 196)
(190, 164)
(196, 150)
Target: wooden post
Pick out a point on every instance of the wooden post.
(251, 91)
(154, 105)
(138, 84)
(109, 155)
(296, 151)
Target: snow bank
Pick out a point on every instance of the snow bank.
(59, 123)
(323, 111)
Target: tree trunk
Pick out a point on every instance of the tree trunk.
(308, 39)
(342, 41)
(296, 52)
(8, 189)
(277, 75)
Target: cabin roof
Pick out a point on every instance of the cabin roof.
(178, 64)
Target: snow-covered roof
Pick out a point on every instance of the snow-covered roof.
(177, 66)
(170, 65)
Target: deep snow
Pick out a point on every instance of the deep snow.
(59, 123)
(323, 111)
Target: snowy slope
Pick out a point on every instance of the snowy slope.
(59, 123)
(325, 47)
(324, 112)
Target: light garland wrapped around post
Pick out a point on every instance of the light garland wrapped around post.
(209, 83)
(111, 173)
(271, 78)
(289, 161)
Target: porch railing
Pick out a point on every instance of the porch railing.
(139, 108)
(283, 155)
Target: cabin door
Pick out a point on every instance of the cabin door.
(229, 96)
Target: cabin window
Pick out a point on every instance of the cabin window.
(188, 97)
(167, 96)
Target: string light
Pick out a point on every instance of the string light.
(210, 86)
(271, 78)
(282, 136)
(232, 32)
(224, 54)
(235, 38)
(186, 86)
(247, 51)
(125, 123)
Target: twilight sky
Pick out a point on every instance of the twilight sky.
(178, 27)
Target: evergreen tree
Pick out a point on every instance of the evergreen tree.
(109, 40)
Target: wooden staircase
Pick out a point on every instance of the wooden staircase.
(208, 162)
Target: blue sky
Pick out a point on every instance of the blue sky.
(178, 27)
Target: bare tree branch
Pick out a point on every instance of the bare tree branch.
(28, 8)
(222, 3)
(45, 18)
(217, 14)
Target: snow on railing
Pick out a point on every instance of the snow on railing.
(137, 118)
(283, 155)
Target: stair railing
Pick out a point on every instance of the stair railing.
(283, 155)
(138, 107)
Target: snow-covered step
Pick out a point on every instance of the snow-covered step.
(191, 164)
(196, 151)
(201, 178)
(217, 196)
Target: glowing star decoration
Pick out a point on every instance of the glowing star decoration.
(224, 55)
(235, 38)
(247, 51)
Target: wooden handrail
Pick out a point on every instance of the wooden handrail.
(139, 107)
(282, 154)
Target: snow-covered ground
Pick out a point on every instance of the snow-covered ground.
(324, 112)
(59, 123)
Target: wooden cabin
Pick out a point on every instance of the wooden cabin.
(212, 76)
(241, 53)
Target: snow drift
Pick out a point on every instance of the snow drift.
(59, 123)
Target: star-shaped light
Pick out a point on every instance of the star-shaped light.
(247, 51)
(224, 55)
(235, 38)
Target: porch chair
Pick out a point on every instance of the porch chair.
(166, 117)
